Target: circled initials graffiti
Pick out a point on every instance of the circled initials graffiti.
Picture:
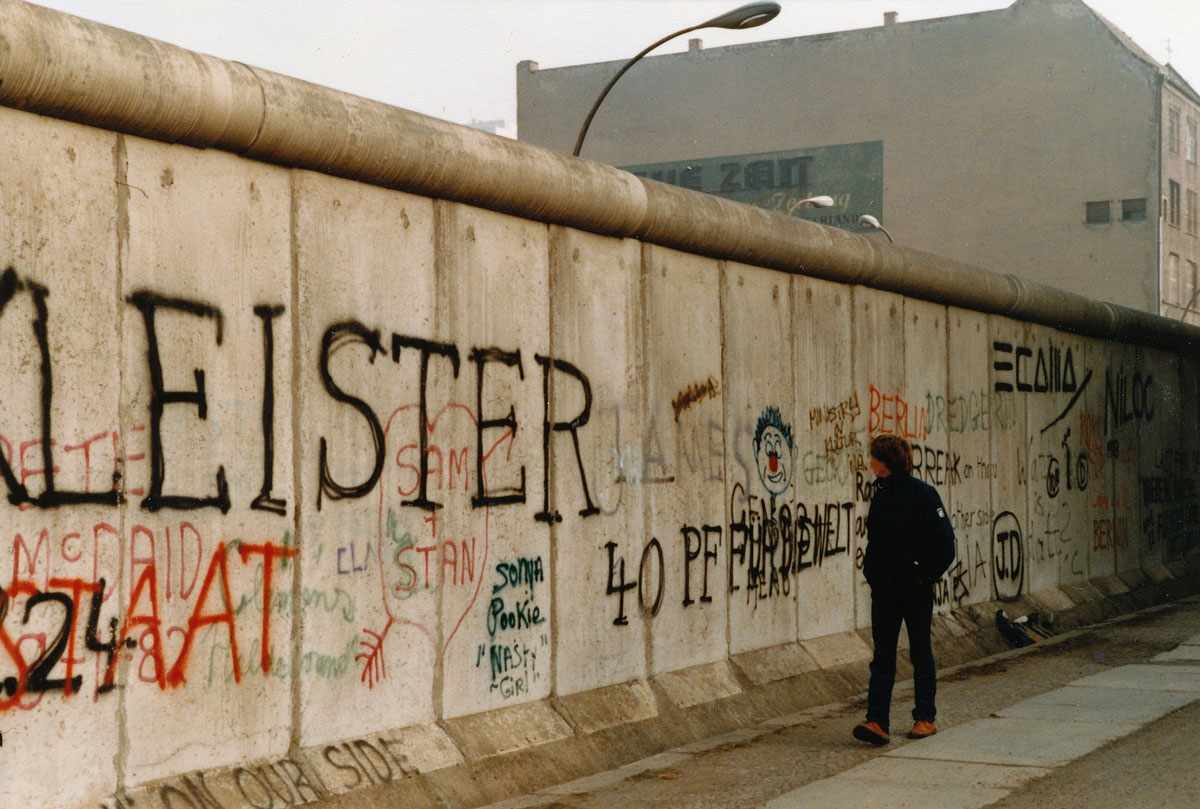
(1008, 557)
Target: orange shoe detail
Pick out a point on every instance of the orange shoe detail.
(922, 730)
(871, 732)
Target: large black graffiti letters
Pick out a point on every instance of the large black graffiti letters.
(265, 501)
(692, 552)
(50, 497)
(1127, 398)
(149, 303)
(547, 514)
(335, 337)
(426, 347)
(511, 494)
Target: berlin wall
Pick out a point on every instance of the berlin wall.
(314, 484)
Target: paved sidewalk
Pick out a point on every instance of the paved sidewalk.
(1004, 721)
(976, 764)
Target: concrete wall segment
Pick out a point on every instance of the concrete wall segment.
(493, 301)
(966, 416)
(191, 309)
(831, 437)
(760, 455)
(57, 221)
(878, 367)
(595, 302)
(687, 445)
(363, 255)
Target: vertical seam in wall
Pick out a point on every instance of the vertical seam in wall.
(553, 249)
(722, 280)
(297, 590)
(989, 387)
(949, 435)
(646, 268)
(121, 197)
(793, 391)
(852, 302)
(438, 686)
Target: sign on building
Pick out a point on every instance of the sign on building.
(850, 173)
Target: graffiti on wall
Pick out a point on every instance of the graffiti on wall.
(185, 587)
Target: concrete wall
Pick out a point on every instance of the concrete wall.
(287, 515)
(317, 487)
(997, 128)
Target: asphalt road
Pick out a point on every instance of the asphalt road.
(1088, 719)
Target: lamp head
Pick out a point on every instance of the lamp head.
(823, 201)
(750, 15)
(868, 221)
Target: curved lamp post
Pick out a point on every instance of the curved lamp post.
(823, 201)
(747, 16)
(868, 221)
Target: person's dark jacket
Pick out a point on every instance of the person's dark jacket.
(909, 536)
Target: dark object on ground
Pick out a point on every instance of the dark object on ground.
(1014, 633)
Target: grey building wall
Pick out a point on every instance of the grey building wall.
(1180, 192)
(997, 129)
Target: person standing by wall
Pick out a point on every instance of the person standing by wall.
(910, 544)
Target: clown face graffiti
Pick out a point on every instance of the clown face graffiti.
(773, 451)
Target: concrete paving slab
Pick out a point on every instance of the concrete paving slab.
(1147, 678)
(853, 792)
(589, 783)
(734, 737)
(1017, 742)
(948, 773)
(605, 780)
(1178, 653)
(659, 762)
(789, 721)
(535, 801)
(1089, 704)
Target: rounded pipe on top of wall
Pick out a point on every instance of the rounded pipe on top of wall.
(59, 65)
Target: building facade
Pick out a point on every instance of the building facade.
(1037, 139)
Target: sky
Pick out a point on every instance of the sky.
(456, 59)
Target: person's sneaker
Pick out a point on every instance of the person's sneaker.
(871, 732)
(922, 730)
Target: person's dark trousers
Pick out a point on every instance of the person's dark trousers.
(890, 604)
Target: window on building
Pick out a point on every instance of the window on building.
(1170, 281)
(1189, 143)
(1173, 203)
(1133, 210)
(1173, 129)
(1097, 213)
(1191, 212)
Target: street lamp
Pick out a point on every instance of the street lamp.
(868, 221)
(823, 201)
(750, 15)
